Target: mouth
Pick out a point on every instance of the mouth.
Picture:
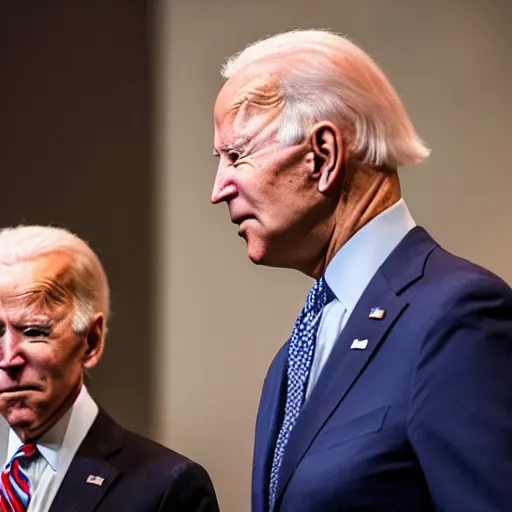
(241, 219)
(19, 389)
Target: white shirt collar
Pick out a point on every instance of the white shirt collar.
(65, 435)
(356, 262)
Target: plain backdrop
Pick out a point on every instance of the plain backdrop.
(107, 129)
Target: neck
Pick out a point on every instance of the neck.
(367, 194)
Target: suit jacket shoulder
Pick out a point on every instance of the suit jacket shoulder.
(136, 474)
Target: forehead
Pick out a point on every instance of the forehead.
(45, 278)
(248, 99)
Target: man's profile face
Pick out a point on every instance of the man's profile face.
(40, 355)
(264, 182)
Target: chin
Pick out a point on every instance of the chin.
(19, 416)
(265, 248)
(257, 260)
(259, 254)
(256, 254)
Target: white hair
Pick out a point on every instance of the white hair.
(90, 286)
(324, 76)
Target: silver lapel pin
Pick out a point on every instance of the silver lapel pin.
(359, 344)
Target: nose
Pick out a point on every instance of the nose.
(10, 356)
(224, 187)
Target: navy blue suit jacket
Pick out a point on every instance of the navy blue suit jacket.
(419, 420)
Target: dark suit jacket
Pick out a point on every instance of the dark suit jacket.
(422, 418)
(139, 476)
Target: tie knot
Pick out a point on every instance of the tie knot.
(24, 452)
(329, 294)
(319, 296)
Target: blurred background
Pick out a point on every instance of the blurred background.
(108, 131)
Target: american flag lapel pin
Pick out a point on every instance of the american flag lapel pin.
(377, 313)
(96, 480)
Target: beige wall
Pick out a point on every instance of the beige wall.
(220, 319)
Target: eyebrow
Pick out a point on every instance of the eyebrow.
(240, 146)
(37, 320)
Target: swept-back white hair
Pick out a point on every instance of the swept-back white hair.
(90, 286)
(324, 76)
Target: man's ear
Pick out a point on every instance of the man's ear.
(327, 145)
(95, 339)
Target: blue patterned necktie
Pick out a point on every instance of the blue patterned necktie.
(15, 489)
(300, 356)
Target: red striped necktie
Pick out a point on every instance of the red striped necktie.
(15, 490)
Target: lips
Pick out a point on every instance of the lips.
(241, 218)
(19, 389)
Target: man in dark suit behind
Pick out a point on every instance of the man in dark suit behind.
(59, 451)
(394, 391)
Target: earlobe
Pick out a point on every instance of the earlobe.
(323, 183)
(95, 340)
(328, 149)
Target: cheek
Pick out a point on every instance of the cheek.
(286, 198)
(290, 178)
(269, 191)
(52, 363)
(278, 185)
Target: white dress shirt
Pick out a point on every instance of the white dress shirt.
(349, 273)
(57, 448)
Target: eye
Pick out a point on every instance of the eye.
(233, 156)
(35, 332)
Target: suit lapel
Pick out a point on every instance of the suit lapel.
(345, 364)
(268, 422)
(90, 475)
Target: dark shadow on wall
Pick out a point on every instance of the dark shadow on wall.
(76, 153)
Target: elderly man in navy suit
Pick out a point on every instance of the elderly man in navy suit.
(394, 391)
(59, 451)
